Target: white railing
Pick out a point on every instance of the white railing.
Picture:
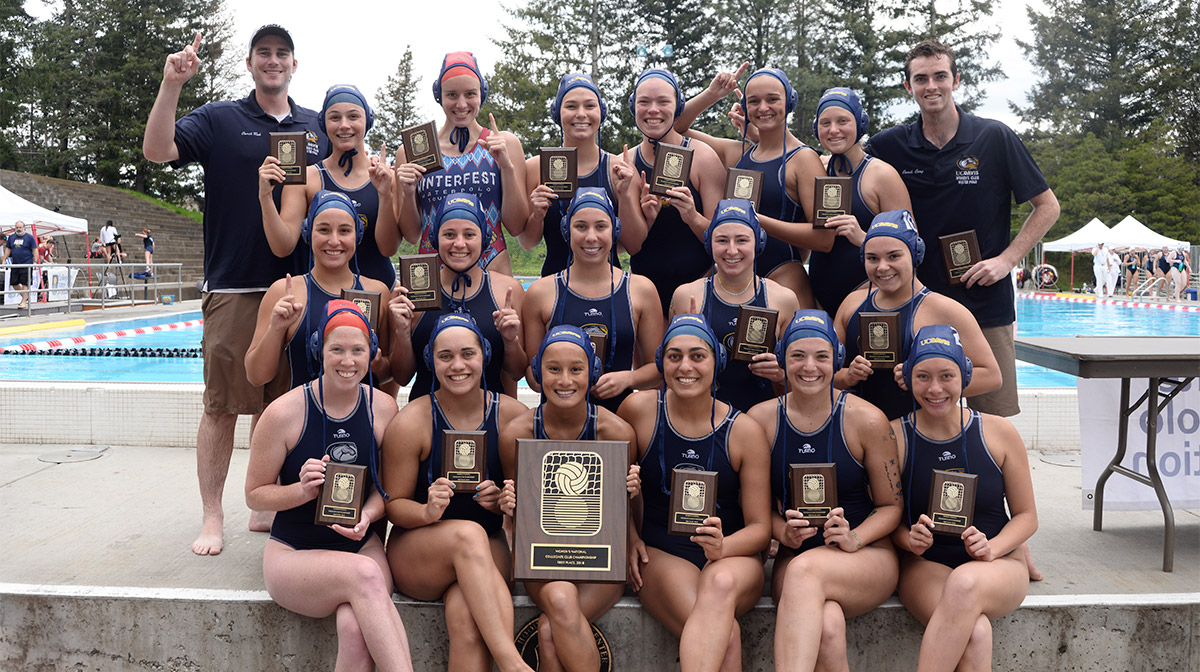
(91, 284)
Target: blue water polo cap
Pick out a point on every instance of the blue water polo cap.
(789, 93)
(590, 197)
(345, 93)
(452, 321)
(741, 211)
(840, 96)
(575, 80)
(811, 324)
(567, 333)
(331, 200)
(938, 340)
(691, 324)
(664, 75)
(460, 205)
(896, 224)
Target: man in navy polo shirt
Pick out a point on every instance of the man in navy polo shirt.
(23, 249)
(962, 173)
(229, 139)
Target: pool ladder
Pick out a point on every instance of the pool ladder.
(1151, 287)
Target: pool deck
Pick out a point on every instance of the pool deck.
(120, 526)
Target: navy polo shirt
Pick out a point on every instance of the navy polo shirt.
(968, 184)
(230, 139)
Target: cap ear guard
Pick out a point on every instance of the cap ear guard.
(472, 65)
(450, 321)
(660, 74)
(948, 345)
(803, 319)
(687, 323)
(750, 220)
(565, 333)
(790, 95)
(575, 81)
(316, 341)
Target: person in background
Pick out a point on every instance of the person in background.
(21, 248)
(148, 248)
(1102, 263)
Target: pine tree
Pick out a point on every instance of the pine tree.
(963, 26)
(396, 105)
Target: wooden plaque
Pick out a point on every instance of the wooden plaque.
(560, 170)
(600, 346)
(960, 251)
(421, 146)
(880, 339)
(342, 494)
(747, 184)
(814, 490)
(755, 332)
(421, 275)
(464, 459)
(832, 198)
(951, 501)
(292, 151)
(572, 511)
(672, 166)
(370, 303)
(693, 498)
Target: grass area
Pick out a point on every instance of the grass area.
(199, 217)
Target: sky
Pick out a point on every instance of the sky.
(380, 38)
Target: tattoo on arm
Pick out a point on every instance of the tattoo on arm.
(894, 484)
(892, 434)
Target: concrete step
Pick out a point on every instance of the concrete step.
(104, 628)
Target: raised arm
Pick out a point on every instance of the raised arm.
(510, 158)
(158, 143)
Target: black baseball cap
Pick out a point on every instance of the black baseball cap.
(272, 29)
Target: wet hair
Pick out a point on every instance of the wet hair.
(929, 48)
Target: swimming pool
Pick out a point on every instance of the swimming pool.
(1034, 318)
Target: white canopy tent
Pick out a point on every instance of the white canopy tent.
(37, 219)
(1129, 232)
(1082, 240)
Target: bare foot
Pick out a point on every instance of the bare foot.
(1034, 574)
(260, 521)
(212, 538)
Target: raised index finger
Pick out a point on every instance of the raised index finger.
(738, 75)
(625, 155)
(508, 298)
(287, 284)
(196, 42)
(492, 119)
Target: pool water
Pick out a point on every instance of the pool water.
(1034, 318)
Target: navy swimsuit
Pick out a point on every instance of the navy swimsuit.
(880, 387)
(838, 272)
(608, 315)
(480, 306)
(736, 385)
(463, 507)
(669, 450)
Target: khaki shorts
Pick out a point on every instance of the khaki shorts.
(229, 321)
(1002, 402)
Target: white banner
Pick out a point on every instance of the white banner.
(1177, 449)
(57, 282)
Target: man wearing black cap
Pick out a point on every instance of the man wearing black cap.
(229, 139)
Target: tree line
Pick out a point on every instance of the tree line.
(1113, 120)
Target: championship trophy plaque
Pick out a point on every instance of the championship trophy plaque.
(693, 498)
(951, 501)
(421, 146)
(368, 302)
(755, 332)
(572, 511)
(742, 183)
(880, 339)
(342, 494)
(464, 459)
(421, 275)
(672, 165)
(814, 490)
(292, 151)
(600, 347)
(960, 251)
(560, 170)
(832, 198)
